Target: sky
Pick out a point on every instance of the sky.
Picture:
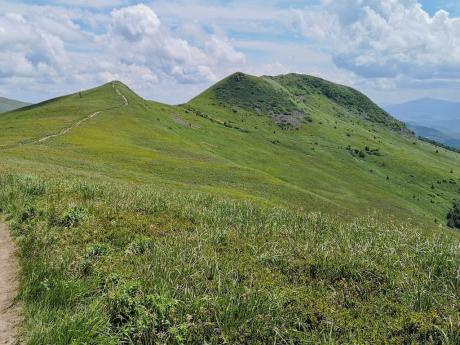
(171, 50)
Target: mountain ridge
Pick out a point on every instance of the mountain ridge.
(243, 129)
(210, 221)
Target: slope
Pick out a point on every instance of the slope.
(7, 104)
(259, 140)
(148, 223)
(339, 147)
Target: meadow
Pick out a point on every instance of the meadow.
(285, 210)
(110, 263)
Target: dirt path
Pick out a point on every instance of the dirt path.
(125, 100)
(9, 312)
(66, 130)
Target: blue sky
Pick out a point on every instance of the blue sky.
(170, 50)
(432, 6)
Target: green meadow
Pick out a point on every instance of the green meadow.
(284, 210)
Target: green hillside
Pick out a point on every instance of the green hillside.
(230, 219)
(7, 104)
(280, 151)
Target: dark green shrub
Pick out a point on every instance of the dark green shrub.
(27, 214)
(453, 217)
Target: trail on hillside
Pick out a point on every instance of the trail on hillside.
(78, 123)
(67, 129)
(125, 100)
(9, 312)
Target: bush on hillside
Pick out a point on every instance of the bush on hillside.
(453, 217)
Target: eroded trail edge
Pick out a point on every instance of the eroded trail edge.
(9, 311)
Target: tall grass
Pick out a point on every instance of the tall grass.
(120, 264)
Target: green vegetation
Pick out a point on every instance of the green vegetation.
(257, 95)
(111, 263)
(304, 86)
(453, 217)
(239, 217)
(438, 144)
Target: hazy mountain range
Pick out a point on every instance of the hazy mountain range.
(431, 118)
(7, 104)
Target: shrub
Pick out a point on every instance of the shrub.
(70, 218)
(96, 250)
(140, 246)
(140, 317)
(28, 214)
(453, 217)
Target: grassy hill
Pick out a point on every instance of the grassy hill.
(230, 219)
(7, 104)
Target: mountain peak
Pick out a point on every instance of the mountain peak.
(288, 98)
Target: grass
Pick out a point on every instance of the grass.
(207, 147)
(304, 86)
(111, 263)
(311, 218)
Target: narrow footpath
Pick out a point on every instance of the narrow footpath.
(9, 311)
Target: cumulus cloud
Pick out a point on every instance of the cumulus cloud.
(27, 51)
(133, 45)
(183, 45)
(135, 22)
(136, 32)
(386, 38)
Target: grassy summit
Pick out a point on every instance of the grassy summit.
(289, 98)
(230, 219)
(304, 87)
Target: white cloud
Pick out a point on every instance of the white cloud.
(136, 37)
(90, 3)
(38, 45)
(135, 22)
(386, 38)
(28, 51)
(380, 46)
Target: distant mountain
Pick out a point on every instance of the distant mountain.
(7, 104)
(434, 134)
(437, 114)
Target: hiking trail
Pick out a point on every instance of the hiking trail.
(9, 311)
(78, 123)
